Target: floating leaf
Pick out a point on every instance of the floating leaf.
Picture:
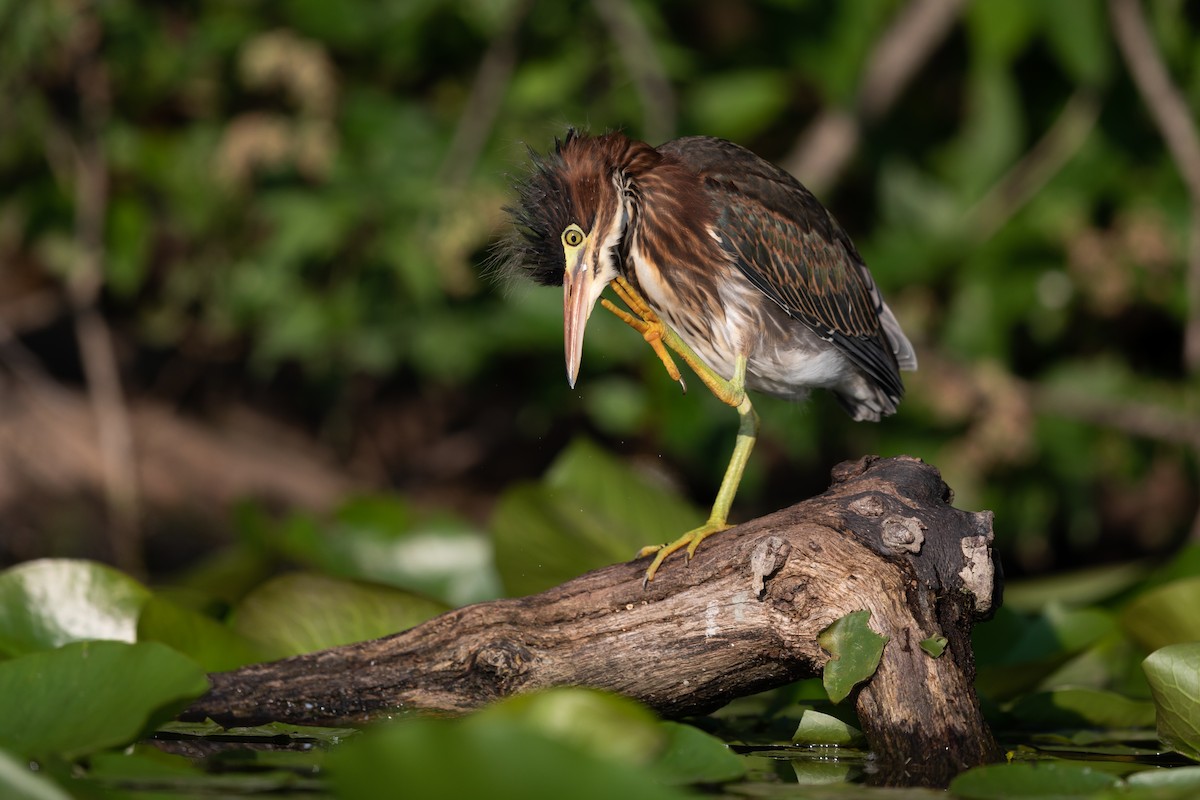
(275, 732)
(1165, 615)
(482, 756)
(591, 510)
(1173, 673)
(140, 770)
(605, 725)
(117, 691)
(855, 651)
(1016, 651)
(381, 540)
(19, 782)
(934, 645)
(1079, 708)
(1046, 779)
(303, 612)
(140, 763)
(693, 756)
(211, 644)
(1174, 778)
(49, 602)
(818, 728)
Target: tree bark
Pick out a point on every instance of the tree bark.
(742, 617)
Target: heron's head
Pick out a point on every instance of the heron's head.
(573, 213)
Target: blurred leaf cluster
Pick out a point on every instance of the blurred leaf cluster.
(306, 190)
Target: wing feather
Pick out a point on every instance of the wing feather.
(788, 246)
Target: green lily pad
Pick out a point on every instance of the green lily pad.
(855, 651)
(606, 725)
(88, 696)
(1173, 673)
(1165, 615)
(644, 510)
(482, 756)
(1045, 779)
(381, 540)
(818, 728)
(1173, 778)
(590, 511)
(50, 602)
(693, 756)
(303, 612)
(143, 771)
(211, 644)
(271, 730)
(19, 782)
(1015, 652)
(1078, 708)
(139, 763)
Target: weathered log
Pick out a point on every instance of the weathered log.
(742, 617)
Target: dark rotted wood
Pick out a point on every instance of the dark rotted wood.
(742, 617)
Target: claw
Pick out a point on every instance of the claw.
(646, 322)
(652, 330)
(691, 540)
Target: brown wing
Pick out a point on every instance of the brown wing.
(789, 246)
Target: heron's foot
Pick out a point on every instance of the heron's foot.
(691, 540)
(644, 321)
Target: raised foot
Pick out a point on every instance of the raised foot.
(644, 321)
(691, 540)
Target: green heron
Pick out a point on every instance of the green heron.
(722, 258)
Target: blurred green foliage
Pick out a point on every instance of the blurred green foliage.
(307, 190)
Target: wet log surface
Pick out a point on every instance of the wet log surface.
(742, 617)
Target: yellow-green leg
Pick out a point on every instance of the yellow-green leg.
(732, 392)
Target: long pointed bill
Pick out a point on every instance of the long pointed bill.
(579, 295)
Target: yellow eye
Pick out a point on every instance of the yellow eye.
(572, 237)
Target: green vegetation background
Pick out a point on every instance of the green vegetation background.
(282, 211)
(291, 203)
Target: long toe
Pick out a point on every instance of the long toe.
(691, 540)
(701, 534)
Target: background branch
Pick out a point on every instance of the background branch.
(1038, 166)
(1177, 125)
(89, 170)
(483, 103)
(824, 148)
(637, 49)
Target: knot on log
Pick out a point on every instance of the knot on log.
(768, 556)
(505, 662)
(979, 573)
(867, 506)
(903, 534)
